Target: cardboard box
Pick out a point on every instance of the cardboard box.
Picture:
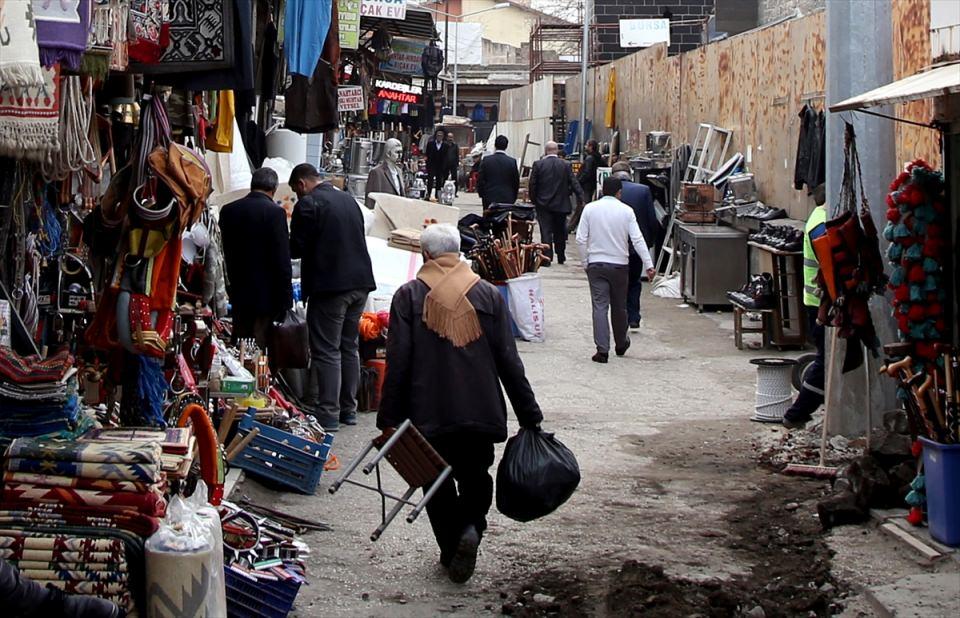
(696, 196)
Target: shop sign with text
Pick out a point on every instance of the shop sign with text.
(401, 93)
(348, 12)
(350, 99)
(386, 9)
(644, 32)
(405, 56)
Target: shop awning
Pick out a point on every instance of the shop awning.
(942, 80)
(417, 25)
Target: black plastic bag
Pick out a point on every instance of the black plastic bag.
(536, 475)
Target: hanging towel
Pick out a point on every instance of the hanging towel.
(305, 30)
(19, 56)
(221, 138)
(30, 118)
(63, 30)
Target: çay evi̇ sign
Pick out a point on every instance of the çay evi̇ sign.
(387, 9)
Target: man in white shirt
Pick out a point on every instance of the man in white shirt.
(607, 229)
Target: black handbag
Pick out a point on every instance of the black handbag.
(289, 342)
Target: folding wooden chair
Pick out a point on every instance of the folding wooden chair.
(414, 460)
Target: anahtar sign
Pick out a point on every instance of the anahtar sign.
(386, 9)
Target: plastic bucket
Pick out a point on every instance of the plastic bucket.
(941, 466)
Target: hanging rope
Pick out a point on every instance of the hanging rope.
(154, 131)
(76, 109)
(50, 234)
(152, 388)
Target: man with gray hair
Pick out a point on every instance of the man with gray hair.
(450, 348)
(551, 184)
(639, 198)
(256, 249)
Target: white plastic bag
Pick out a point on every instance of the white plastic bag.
(526, 306)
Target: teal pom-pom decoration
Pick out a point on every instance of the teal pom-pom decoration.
(915, 498)
(900, 230)
(888, 231)
(916, 293)
(897, 276)
(931, 284)
(919, 483)
(914, 253)
(925, 214)
(894, 252)
(917, 331)
(930, 265)
(904, 308)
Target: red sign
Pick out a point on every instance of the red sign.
(400, 97)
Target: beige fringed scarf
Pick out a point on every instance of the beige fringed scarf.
(19, 54)
(446, 310)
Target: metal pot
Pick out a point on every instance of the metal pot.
(360, 156)
(376, 151)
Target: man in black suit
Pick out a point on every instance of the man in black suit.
(256, 249)
(326, 231)
(453, 163)
(639, 198)
(436, 151)
(588, 177)
(551, 184)
(498, 179)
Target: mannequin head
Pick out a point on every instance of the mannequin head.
(392, 151)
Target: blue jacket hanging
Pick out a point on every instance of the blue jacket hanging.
(305, 29)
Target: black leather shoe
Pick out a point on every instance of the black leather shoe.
(464, 561)
(600, 357)
(634, 325)
(623, 350)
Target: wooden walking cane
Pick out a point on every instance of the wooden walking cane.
(821, 470)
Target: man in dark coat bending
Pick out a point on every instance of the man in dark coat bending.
(450, 347)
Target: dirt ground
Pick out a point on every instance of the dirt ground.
(673, 517)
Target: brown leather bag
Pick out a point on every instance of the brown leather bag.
(289, 342)
(188, 177)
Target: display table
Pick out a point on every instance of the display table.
(788, 326)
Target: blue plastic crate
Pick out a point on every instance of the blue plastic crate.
(282, 457)
(249, 599)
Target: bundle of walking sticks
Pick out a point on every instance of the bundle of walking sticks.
(931, 393)
(508, 251)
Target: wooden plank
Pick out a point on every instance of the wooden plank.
(925, 551)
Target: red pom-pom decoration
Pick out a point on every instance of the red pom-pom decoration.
(915, 516)
(899, 180)
(934, 310)
(893, 214)
(926, 350)
(916, 313)
(916, 274)
(940, 325)
(901, 294)
(916, 449)
(903, 323)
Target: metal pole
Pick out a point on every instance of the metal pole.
(456, 61)
(446, 43)
(584, 57)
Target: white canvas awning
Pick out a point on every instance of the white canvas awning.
(940, 81)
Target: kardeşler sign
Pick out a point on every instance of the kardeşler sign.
(395, 91)
(386, 9)
(350, 99)
(644, 32)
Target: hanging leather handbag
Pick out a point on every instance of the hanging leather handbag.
(289, 341)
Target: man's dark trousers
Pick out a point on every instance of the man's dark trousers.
(608, 292)
(334, 354)
(634, 288)
(553, 232)
(811, 392)
(435, 183)
(465, 502)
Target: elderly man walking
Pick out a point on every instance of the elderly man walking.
(606, 232)
(639, 198)
(449, 350)
(551, 184)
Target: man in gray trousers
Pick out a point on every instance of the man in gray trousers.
(607, 229)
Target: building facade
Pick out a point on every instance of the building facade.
(687, 21)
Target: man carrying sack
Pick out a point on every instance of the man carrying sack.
(450, 348)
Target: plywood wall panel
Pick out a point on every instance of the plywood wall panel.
(911, 53)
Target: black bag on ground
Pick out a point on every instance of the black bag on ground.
(536, 475)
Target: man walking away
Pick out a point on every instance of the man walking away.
(256, 247)
(436, 151)
(587, 177)
(498, 179)
(453, 163)
(811, 392)
(639, 198)
(450, 348)
(326, 231)
(551, 184)
(607, 229)
(431, 62)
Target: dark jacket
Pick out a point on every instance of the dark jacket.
(443, 389)
(498, 180)
(587, 177)
(810, 167)
(551, 183)
(256, 249)
(327, 232)
(453, 156)
(436, 157)
(639, 198)
(431, 61)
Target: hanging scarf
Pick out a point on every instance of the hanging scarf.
(19, 56)
(63, 28)
(306, 26)
(30, 118)
(446, 310)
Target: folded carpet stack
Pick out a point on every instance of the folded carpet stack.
(106, 484)
(103, 563)
(37, 396)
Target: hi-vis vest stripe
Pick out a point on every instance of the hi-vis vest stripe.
(810, 265)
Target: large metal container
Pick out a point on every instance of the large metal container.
(376, 151)
(713, 260)
(360, 156)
